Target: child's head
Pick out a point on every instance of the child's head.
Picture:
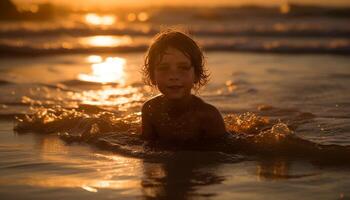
(181, 46)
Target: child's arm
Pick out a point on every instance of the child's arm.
(147, 131)
(214, 124)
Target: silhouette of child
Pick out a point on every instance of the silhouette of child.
(174, 64)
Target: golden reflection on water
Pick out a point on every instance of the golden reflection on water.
(94, 59)
(109, 71)
(95, 19)
(94, 172)
(114, 91)
(110, 96)
(106, 41)
(279, 170)
(273, 170)
(51, 144)
(72, 181)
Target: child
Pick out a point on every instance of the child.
(175, 65)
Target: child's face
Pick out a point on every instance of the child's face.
(174, 75)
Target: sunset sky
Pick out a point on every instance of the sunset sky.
(185, 2)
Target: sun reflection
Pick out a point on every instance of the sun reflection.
(123, 97)
(109, 71)
(89, 189)
(105, 41)
(95, 19)
(94, 59)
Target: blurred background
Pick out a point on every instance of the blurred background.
(40, 27)
(74, 67)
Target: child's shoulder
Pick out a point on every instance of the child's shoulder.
(211, 118)
(152, 103)
(205, 108)
(154, 100)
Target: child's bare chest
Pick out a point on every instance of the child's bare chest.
(185, 126)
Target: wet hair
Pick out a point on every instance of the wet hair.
(182, 42)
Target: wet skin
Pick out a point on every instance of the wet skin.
(177, 114)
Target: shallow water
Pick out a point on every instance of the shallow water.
(42, 166)
(307, 93)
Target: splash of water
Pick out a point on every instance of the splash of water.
(248, 123)
(78, 122)
(92, 123)
(119, 132)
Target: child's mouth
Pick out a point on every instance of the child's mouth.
(175, 87)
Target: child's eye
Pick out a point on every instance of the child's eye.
(162, 68)
(185, 67)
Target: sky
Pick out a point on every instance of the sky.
(185, 2)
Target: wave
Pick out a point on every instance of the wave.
(76, 82)
(265, 47)
(5, 82)
(274, 30)
(248, 134)
(9, 50)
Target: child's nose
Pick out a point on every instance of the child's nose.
(174, 74)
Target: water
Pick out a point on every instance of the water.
(42, 165)
(70, 130)
(223, 29)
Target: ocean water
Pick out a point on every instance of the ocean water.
(283, 89)
(70, 103)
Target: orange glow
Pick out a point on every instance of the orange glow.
(109, 71)
(106, 41)
(91, 185)
(28, 8)
(142, 16)
(138, 3)
(285, 8)
(95, 19)
(131, 17)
